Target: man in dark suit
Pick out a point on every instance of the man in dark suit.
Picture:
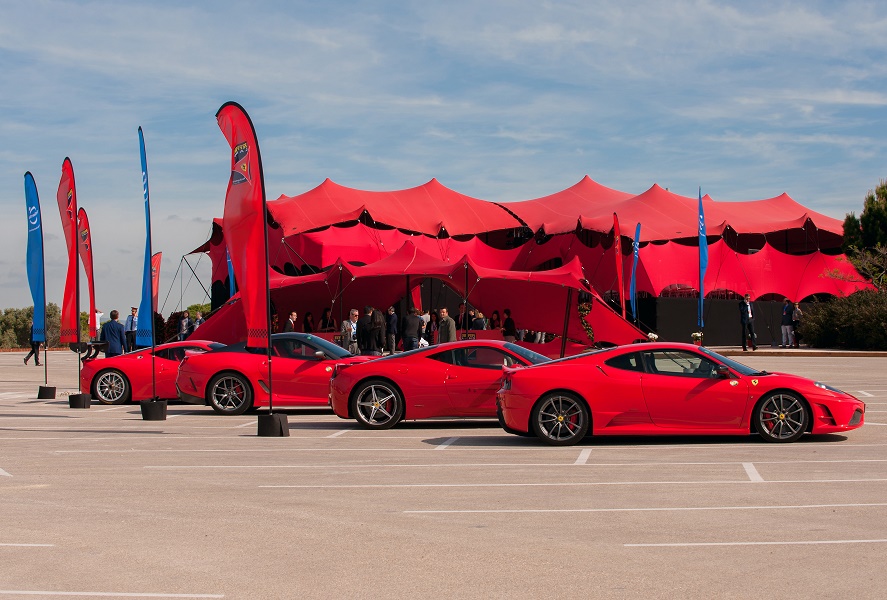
(369, 339)
(412, 330)
(290, 324)
(747, 320)
(112, 332)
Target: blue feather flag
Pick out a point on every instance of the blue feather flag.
(34, 261)
(633, 286)
(703, 260)
(145, 327)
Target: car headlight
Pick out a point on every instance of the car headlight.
(823, 386)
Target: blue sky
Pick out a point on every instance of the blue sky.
(501, 100)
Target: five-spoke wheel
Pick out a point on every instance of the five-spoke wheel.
(111, 387)
(230, 394)
(560, 419)
(377, 405)
(781, 417)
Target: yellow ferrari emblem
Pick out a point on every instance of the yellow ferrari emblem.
(734, 383)
(328, 369)
(754, 382)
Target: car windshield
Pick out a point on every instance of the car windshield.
(534, 358)
(327, 347)
(736, 366)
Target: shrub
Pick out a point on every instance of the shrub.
(858, 321)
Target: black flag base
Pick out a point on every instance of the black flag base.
(46, 392)
(153, 410)
(79, 401)
(273, 425)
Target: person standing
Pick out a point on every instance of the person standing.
(113, 333)
(186, 326)
(797, 314)
(290, 324)
(326, 321)
(786, 325)
(198, 319)
(391, 330)
(368, 334)
(349, 332)
(412, 330)
(35, 348)
(463, 320)
(431, 327)
(479, 323)
(446, 328)
(509, 329)
(130, 328)
(308, 323)
(747, 321)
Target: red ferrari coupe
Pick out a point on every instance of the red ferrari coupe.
(127, 377)
(667, 389)
(457, 379)
(234, 379)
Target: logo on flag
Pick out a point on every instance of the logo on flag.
(70, 203)
(240, 173)
(33, 218)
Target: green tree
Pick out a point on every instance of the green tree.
(873, 218)
(865, 239)
(852, 234)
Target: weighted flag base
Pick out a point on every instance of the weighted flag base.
(273, 425)
(79, 401)
(153, 410)
(46, 392)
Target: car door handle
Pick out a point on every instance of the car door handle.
(452, 376)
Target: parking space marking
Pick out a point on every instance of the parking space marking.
(113, 408)
(4, 473)
(182, 414)
(752, 472)
(105, 594)
(446, 443)
(645, 509)
(338, 433)
(27, 545)
(780, 543)
(247, 424)
(866, 394)
(583, 457)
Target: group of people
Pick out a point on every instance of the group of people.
(122, 338)
(373, 333)
(791, 318)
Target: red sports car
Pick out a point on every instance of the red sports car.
(457, 379)
(127, 377)
(234, 379)
(667, 389)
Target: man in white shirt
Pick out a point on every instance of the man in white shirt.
(129, 329)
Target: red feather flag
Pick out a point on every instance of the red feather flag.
(244, 221)
(84, 242)
(67, 199)
(155, 276)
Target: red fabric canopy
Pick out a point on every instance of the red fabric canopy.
(430, 208)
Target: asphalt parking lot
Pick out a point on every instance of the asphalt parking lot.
(99, 504)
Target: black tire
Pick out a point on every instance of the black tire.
(781, 417)
(111, 387)
(377, 404)
(560, 419)
(229, 394)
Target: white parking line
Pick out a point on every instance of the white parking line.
(566, 484)
(866, 394)
(4, 473)
(783, 543)
(752, 472)
(105, 594)
(338, 433)
(113, 408)
(644, 509)
(583, 457)
(446, 443)
(28, 545)
(182, 414)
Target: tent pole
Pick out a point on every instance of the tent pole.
(566, 321)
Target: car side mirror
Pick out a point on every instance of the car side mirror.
(319, 354)
(722, 372)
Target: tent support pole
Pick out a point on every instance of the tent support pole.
(566, 321)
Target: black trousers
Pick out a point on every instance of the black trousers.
(748, 331)
(130, 341)
(35, 352)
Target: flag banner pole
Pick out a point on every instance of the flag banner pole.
(703, 262)
(37, 278)
(245, 223)
(84, 246)
(154, 410)
(617, 247)
(633, 284)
